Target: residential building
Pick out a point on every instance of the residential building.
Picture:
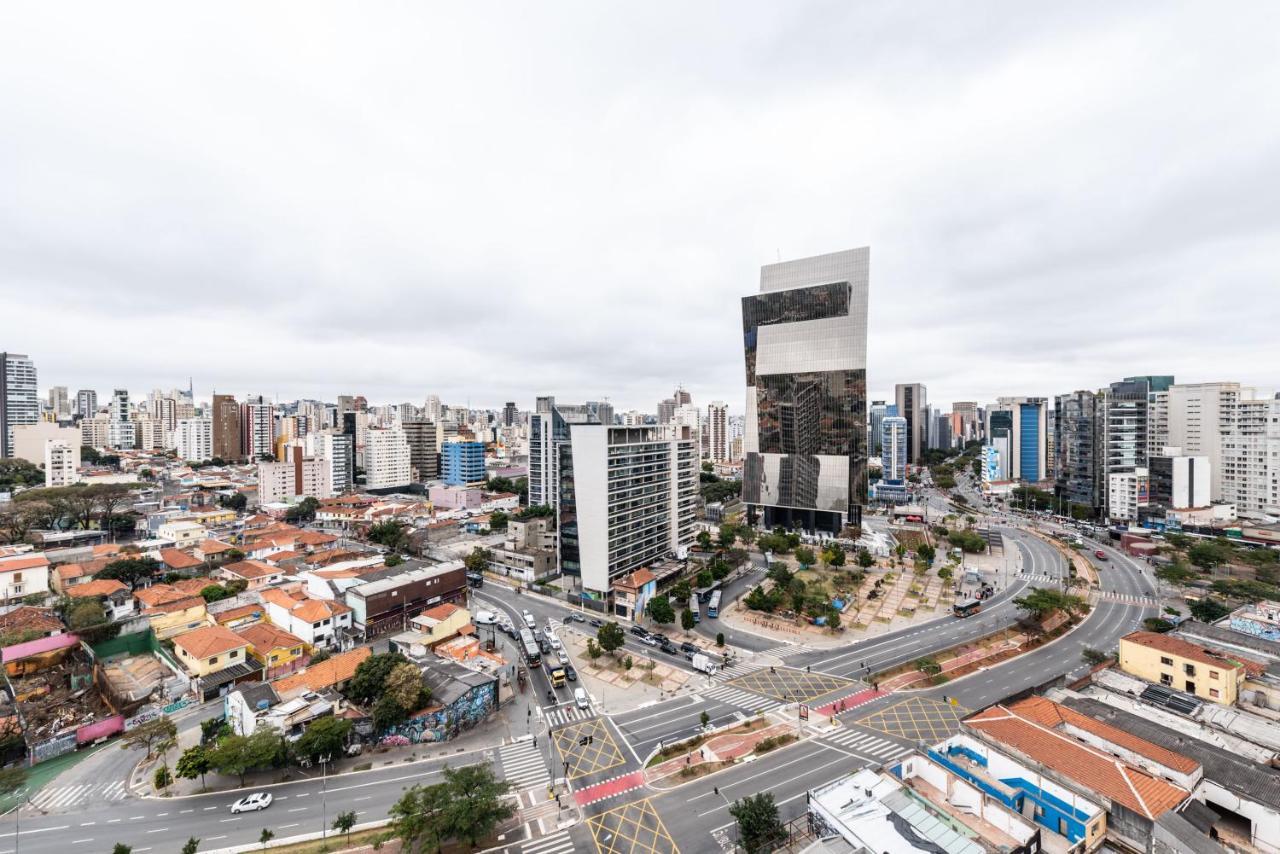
(529, 551)
(193, 439)
(226, 428)
(257, 427)
(95, 431)
(19, 398)
(509, 414)
(1179, 481)
(114, 596)
(86, 403)
(297, 476)
(718, 431)
(339, 450)
(60, 462)
(30, 440)
(149, 434)
(182, 532)
(876, 413)
(216, 656)
(462, 463)
(23, 575)
(912, 400)
(440, 622)
(632, 592)
(895, 433)
(1021, 425)
(1251, 458)
(966, 423)
(171, 610)
(424, 451)
(1183, 666)
(332, 674)
(1201, 415)
(1077, 472)
(277, 651)
(389, 598)
(386, 459)
(59, 403)
(121, 431)
(805, 346)
(319, 622)
(1125, 420)
(548, 431)
(256, 574)
(1127, 493)
(628, 497)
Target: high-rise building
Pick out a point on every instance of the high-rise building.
(1077, 442)
(424, 452)
(61, 459)
(509, 414)
(386, 459)
(718, 431)
(876, 414)
(1201, 416)
(893, 456)
(805, 346)
(462, 463)
(435, 410)
(1126, 424)
(965, 421)
(193, 439)
(121, 431)
(86, 403)
(1128, 492)
(666, 409)
(601, 411)
(257, 427)
(59, 402)
(548, 430)
(339, 449)
(628, 498)
(1023, 423)
(1178, 481)
(19, 398)
(912, 400)
(226, 428)
(1251, 457)
(295, 476)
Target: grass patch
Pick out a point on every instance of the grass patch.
(773, 742)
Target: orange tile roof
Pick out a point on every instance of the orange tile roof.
(209, 640)
(441, 612)
(290, 554)
(193, 585)
(314, 610)
(249, 569)
(107, 549)
(214, 547)
(265, 636)
(1185, 649)
(97, 587)
(175, 559)
(236, 613)
(158, 595)
(326, 674)
(316, 538)
(26, 618)
(10, 564)
(69, 570)
(635, 580)
(1092, 769)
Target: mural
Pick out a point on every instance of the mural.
(441, 723)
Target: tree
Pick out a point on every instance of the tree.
(162, 778)
(389, 533)
(214, 593)
(303, 511)
(661, 611)
(719, 638)
(130, 571)
(865, 560)
(266, 836)
(610, 637)
(728, 535)
(87, 619)
(121, 848)
(498, 521)
(343, 823)
(240, 754)
(321, 654)
(387, 713)
(593, 649)
(686, 620)
(404, 683)
(804, 555)
(1208, 610)
(235, 501)
(151, 733)
(704, 718)
(393, 559)
(190, 846)
(704, 578)
(759, 828)
(367, 683)
(1207, 554)
(194, 762)
(1157, 625)
(926, 552)
(13, 778)
(477, 802)
(1093, 657)
(929, 666)
(835, 556)
(1041, 602)
(478, 560)
(418, 818)
(945, 572)
(325, 737)
(704, 539)
(682, 591)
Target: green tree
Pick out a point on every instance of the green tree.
(686, 620)
(343, 823)
(865, 560)
(610, 637)
(130, 571)
(151, 733)
(404, 683)
(1041, 602)
(719, 570)
(266, 836)
(325, 737)
(367, 683)
(194, 762)
(121, 848)
(1207, 554)
(477, 802)
(162, 778)
(804, 555)
(704, 718)
(759, 828)
(945, 572)
(1156, 624)
(929, 666)
(239, 754)
(393, 559)
(704, 578)
(478, 560)
(661, 611)
(682, 591)
(498, 521)
(926, 552)
(191, 845)
(728, 536)
(235, 501)
(87, 619)
(389, 533)
(303, 511)
(1208, 610)
(593, 649)
(387, 713)
(704, 539)
(418, 818)
(719, 638)
(214, 593)
(1093, 657)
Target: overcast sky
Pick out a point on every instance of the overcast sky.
(508, 199)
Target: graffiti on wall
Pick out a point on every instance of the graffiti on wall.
(445, 722)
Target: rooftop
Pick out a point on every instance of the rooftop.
(208, 641)
(326, 674)
(1181, 648)
(266, 636)
(250, 569)
(97, 587)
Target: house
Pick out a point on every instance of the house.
(1184, 666)
(212, 550)
(386, 600)
(240, 616)
(115, 597)
(182, 533)
(256, 574)
(631, 593)
(217, 657)
(179, 561)
(441, 622)
(27, 623)
(171, 611)
(332, 673)
(23, 575)
(319, 622)
(244, 705)
(460, 699)
(279, 652)
(70, 574)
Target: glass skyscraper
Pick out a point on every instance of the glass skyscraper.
(805, 347)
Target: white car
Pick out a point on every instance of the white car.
(562, 657)
(485, 618)
(252, 803)
(555, 641)
(580, 697)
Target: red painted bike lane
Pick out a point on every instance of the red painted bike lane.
(844, 704)
(609, 788)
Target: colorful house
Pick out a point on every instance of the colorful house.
(279, 652)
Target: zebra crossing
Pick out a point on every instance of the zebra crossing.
(866, 745)
(64, 797)
(738, 697)
(567, 715)
(1052, 579)
(786, 649)
(523, 766)
(1130, 598)
(554, 843)
(742, 668)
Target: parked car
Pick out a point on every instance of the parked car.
(669, 648)
(639, 631)
(252, 803)
(580, 698)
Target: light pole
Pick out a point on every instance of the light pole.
(324, 796)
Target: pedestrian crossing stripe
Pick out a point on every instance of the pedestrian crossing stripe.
(865, 744)
(523, 766)
(560, 717)
(738, 697)
(57, 797)
(554, 843)
(784, 650)
(737, 670)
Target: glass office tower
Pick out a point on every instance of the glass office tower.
(805, 346)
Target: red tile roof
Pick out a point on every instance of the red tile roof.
(25, 618)
(1182, 648)
(209, 640)
(250, 569)
(265, 636)
(10, 564)
(175, 559)
(326, 674)
(97, 587)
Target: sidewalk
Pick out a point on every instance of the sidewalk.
(715, 753)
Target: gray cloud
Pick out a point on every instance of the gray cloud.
(489, 203)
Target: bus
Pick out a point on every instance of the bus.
(967, 608)
(532, 655)
(696, 607)
(713, 606)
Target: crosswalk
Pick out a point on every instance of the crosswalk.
(567, 715)
(1130, 598)
(1037, 577)
(523, 765)
(553, 843)
(742, 668)
(738, 697)
(866, 745)
(786, 649)
(65, 797)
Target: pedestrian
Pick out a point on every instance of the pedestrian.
(715, 789)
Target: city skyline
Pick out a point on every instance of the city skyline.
(325, 243)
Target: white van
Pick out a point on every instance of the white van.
(530, 621)
(581, 699)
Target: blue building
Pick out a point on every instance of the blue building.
(462, 463)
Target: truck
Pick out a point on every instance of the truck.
(703, 663)
(557, 676)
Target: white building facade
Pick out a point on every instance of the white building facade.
(386, 458)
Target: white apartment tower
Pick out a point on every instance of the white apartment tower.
(257, 427)
(297, 476)
(19, 399)
(121, 431)
(60, 461)
(193, 439)
(386, 458)
(718, 431)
